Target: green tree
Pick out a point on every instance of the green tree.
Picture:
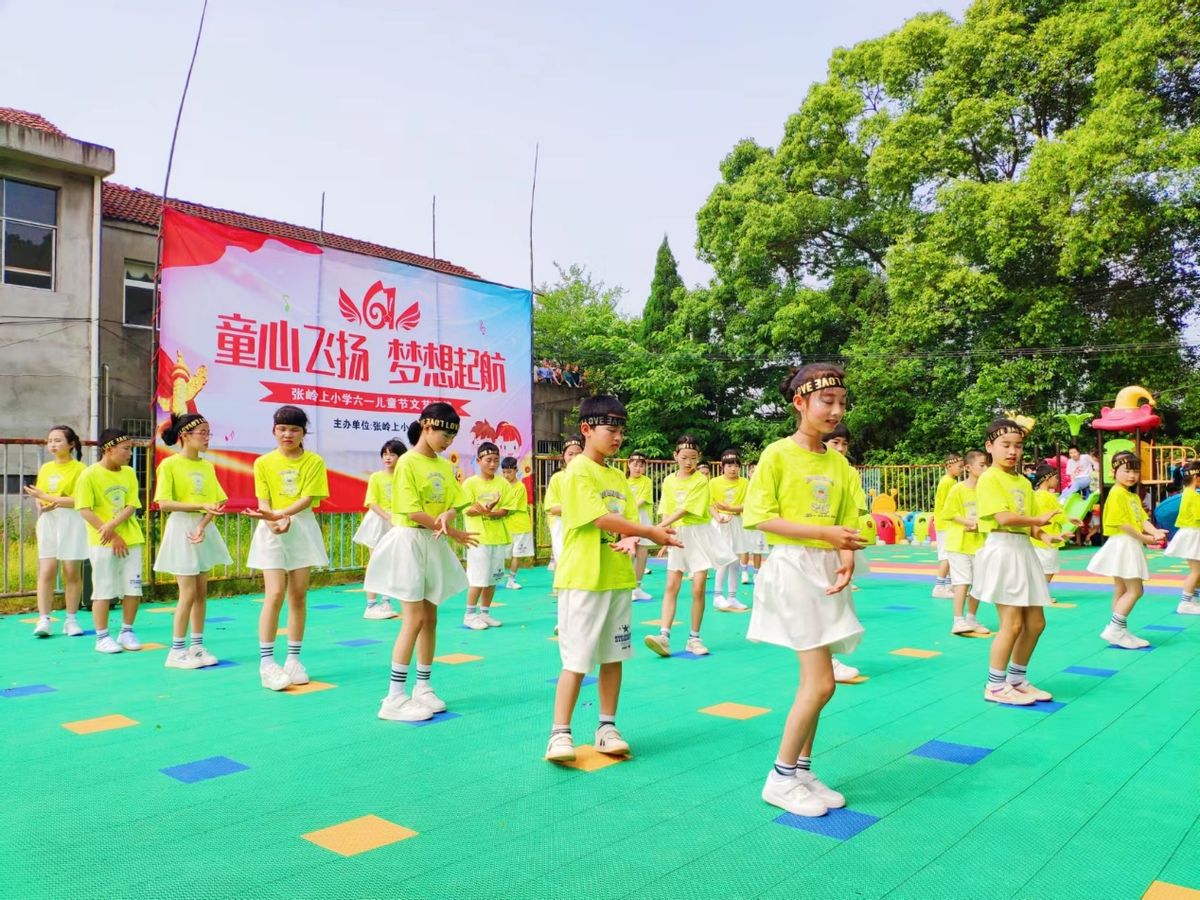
(665, 290)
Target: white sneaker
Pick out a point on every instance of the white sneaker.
(106, 644)
(843, 672)
(181, 659)
(273, 677)
(823, 792)
(128, 641)
(640, 595)
(377, 611)
(424, 695)
(1120, 637)
(960, 626)
(403, 708)
(42, 628)
(719, 602)
(72, 628)
(943, 592)
(561, 747)
(610, 742)
(387, 605)
(512, 584)
(745, 577)
(736, 605)
(474, 622)
(659, 643)
(488, 621)
(1139, 641)
(295, 672)
(794, 796)
(696, 647)
(1188, 608)
(200, 652)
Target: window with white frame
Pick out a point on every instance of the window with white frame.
(139, 294)
(29, 226)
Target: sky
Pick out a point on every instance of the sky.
(382, 104)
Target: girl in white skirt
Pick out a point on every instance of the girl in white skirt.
(378, 519)
(61, 532)
(802, 497)
(1046, 500)
(1186, 542)
(188, 490)
(1007, 572)
(685, 499)
(552, 503)
(415, 563)
(727, 495)
(839, 440)
(754, 541)
(1127, 530)
(290, 483)
(642, 489)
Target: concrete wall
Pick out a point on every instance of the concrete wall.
(125, 349)
(553, 404)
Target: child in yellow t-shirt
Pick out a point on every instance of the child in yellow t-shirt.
(520, 528)
(551, 503)
(839, 440)
(595, 577)
(963, 541)
(1128, 531)
(290, 483)
(802, 497)
(1186, 542)
(954, 466)
(61, 532)
(643, 494)
(727, 495)
(414, 564)
(189, 492)
(1046, 500)
(378, 519)
(489, 505)
(106, 495)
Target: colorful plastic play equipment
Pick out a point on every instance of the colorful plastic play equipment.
(922, 524)
(885, 527)
(1126, 415)
(1167, 512)
(909, 520)
(1079, 508)
(866, 529)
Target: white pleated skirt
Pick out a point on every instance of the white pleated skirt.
(755, 541)
(791, 608)
(371, 530)
(411, 565)
(556, 538)
(179, 556)
(732, 534)
(702, 549)
(644, 518)
(300, 547)
(1185, 544)
(1121, 556)
(861, 565)
(1008, 572)
(61, 534)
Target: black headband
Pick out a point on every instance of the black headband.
(193, 425)
(641, 456)
(1126, 460)
(572, 442)
(819, 384)
(607, 419)
(687, 445)
(730, 459)
(443, 424)
(1001, 430)
(112, 442)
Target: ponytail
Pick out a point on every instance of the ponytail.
(72, 438)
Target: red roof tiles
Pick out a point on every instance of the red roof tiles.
(29, 120)
(134, 205)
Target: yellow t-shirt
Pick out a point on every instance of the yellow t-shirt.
(188, 481)
(860, 496)
(478, 490)
(106, 493)
(962, 502)
(58, 479)
(1123, 507)
(642, 488)
(1189, 509)
(730, 492)
(803, 487)
(518, 501)
(940, 520)
(379, 490)
(588, 562)
(1044, 502)
(689, 494)
(282, 481)
(998, 491)
(553, 496)
(424, 484)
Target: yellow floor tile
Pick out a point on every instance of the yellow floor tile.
(101, 723)
(1161, 890)
(587, 759)
(739, 711)
(359, 835)
(915, 653)
(311, 688)
(454, 659)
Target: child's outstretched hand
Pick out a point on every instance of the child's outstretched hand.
(664, 537)
(842, 538)
(466, 538)
(844, 573)
(627, 545)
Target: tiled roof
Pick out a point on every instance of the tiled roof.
(29, 120)
(128, 204)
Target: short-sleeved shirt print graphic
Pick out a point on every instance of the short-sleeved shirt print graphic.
(424, 484)
(1000, 491)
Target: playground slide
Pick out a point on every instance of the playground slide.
(1078, 508)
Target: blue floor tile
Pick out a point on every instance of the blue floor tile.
(1088, 670)
(965, 754)
(204, 769)
(27, 690)
(840, 824)
(359, 642)
(437, 718)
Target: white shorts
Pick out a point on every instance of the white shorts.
(861, 565)
(179, 556)
(755, 541)
(1121, 556)
(1008, 572)
(371, 530)
(1185, 544)
(791, 608)
(115, 576)
(593, 628)
(522, 545)
(1048, 557)
(485, 564)
(61, 534)
(962, 568)
(300, 547)
(411, 565)
(941, 545)
(702, 550)
(644, 518)
(732, 534)
(556, 538)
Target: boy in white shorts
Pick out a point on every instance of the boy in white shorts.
(106, 495)
(595, 576)
(519, 525)
(490, 503)
(954, 467)
(963, 541)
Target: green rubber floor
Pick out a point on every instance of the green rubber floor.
(214, 787)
